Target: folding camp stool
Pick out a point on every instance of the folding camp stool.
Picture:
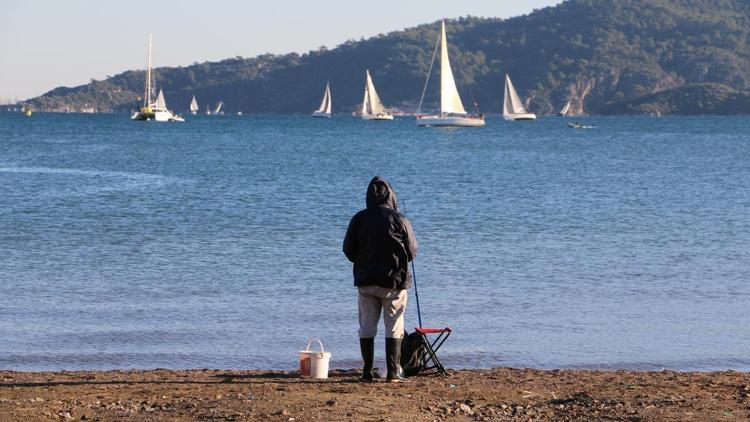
(430, 357)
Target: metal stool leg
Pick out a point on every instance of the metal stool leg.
(431, 353)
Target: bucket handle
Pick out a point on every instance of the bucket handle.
(319, 342)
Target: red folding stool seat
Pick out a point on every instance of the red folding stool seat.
(430, 358)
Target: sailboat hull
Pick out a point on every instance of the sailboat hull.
(321, 114)
(519, 116)
(156, 116)
(377, 117)
(450, 121)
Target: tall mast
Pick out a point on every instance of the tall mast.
(147, 97)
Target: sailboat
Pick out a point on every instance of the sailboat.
(157, 110)
(452, 112)
(217, 111)
(513, 108)
(325, 106)
(565, 110)
(194, 106)
(372, 108)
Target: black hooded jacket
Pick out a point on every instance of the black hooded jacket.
(380, 240)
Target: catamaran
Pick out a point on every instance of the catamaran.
(194, 106)
(372, 107)
(565, 110)
(452, 112)
(157, 110)
(325, 106)
(513, 108)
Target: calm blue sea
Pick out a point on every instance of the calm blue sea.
(217, 242)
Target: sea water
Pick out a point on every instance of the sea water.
(217, 242)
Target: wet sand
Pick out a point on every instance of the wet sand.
(496, 394)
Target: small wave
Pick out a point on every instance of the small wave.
(97, 181)
(89, 173)
(133, 360)
(705, 364)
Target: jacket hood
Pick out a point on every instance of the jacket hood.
(381, 194)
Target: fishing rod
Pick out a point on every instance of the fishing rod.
(414, 276)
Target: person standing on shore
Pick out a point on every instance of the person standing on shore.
(380, 242)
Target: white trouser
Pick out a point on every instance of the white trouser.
(393, 303)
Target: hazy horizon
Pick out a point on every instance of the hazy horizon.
(49, 44)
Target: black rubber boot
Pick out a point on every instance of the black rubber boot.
(367, 347)
(393, 360)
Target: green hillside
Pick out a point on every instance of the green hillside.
(700, 99)
(597, 53)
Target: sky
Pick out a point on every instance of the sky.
(49, 43)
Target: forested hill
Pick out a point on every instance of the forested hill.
(601, 54)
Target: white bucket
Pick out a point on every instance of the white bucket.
(314, 364)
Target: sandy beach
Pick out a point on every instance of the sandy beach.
(495, 394)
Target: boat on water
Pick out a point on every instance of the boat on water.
(325, 106)
(452, 112)
(372, 107)
(513, 108)
(217, 110)
(194, 106)
(577, 125)
(565, 110)
(156, 111)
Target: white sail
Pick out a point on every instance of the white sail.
(512, 103)
(376, 106)
(218, 107)
(450, 101)
(161, 103)
(323, 102)
(194, 105)
(328, 94)
(565, 110)
(325, 105)
(366, 102)
(372, 107)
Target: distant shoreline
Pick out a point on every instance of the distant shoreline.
(492, 394)
(397, 117)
